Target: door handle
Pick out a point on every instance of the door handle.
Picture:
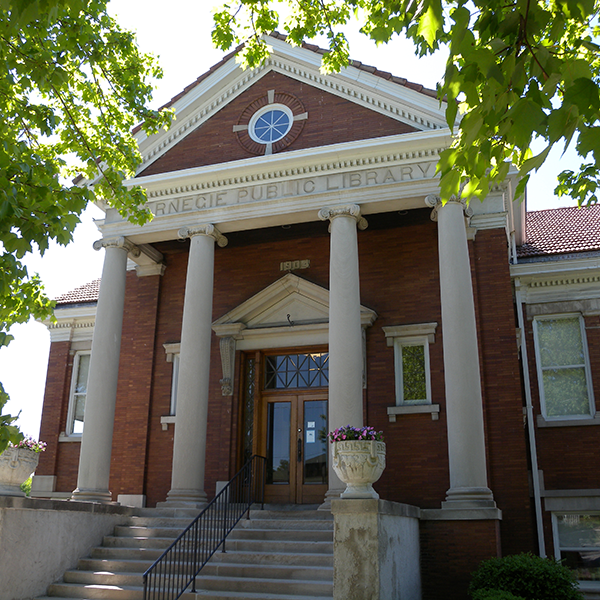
(299, 449)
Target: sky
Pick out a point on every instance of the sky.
(179, 34)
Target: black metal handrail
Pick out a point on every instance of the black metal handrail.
(178, 566)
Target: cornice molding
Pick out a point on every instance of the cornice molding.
(265, 176)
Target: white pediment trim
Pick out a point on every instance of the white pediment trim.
(203, 101)
(290, 313)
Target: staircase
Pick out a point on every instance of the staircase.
(280, 553)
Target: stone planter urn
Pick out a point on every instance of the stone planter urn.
(16, 465)
(359, 464)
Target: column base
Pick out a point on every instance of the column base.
(459, 498)
(185, 499)
(329, 496)
(102, 496)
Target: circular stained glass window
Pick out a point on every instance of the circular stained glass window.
(270, 124)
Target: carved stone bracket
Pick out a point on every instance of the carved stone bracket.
(435, 202)
(117, 242)
(227, 347)
(203, 229)
(350, 210)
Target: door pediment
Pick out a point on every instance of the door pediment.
(262, 321)
(289, 312)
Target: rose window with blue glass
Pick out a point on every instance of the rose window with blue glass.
(270, 123)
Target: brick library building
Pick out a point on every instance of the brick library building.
(301, 273)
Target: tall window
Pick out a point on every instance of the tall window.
(79, 382)
(577, 543)
(411, 361)
(412, 370)
(563, 367)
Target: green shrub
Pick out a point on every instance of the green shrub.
(495, 595)
(26, 487)
(526, 576)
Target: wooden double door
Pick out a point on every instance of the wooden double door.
(296, 447)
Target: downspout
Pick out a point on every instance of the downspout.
(537, 497)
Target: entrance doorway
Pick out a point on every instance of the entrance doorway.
(284, 418)
(296, 448)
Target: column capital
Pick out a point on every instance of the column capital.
(350, 210)
(203, 229)
(117, 242)
(436, 203)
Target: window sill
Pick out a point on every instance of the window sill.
(414, 409)
(166, 421)
(63, 437)
(541, 422)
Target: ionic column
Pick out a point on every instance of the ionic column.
(189, 445)
(464, 409)
(345, 333)
(96, 441)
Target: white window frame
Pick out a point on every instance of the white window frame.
(73, 393)
(401, 336)
(399, 344)
(556, 541)
(174, 382)
(585, 365)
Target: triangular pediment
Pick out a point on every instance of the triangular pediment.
(290, 305)
(203, 119)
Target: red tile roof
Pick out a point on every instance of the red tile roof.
(561, 231)
(84, 294)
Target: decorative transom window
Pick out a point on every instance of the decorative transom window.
(577, 543)
(563, 369)
(411, 361)
(270, 124)
(290, 371)
(79, 382)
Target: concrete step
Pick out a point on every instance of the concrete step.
(104, 578)
(289, 524)
(267, 571)
(113, 566)
(285, 546)
(102, 592)
(147, 531)
(282, 587)
(216, 595)
(281, 534)
(111, 541)
(305, 559)
(145, 554)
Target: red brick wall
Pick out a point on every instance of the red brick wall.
(129, 448)
(54, 411)
(451, 551)
(215, 141)
(502, 391)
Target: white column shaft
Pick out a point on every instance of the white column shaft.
(96, 442)
(189, 446)
(466, 443)
(345, 334)
(345, 406)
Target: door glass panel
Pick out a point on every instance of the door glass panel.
(278, 442)
(315, 441)
(302, 371)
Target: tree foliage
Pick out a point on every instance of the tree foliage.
(73, 84)
(516, 70)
